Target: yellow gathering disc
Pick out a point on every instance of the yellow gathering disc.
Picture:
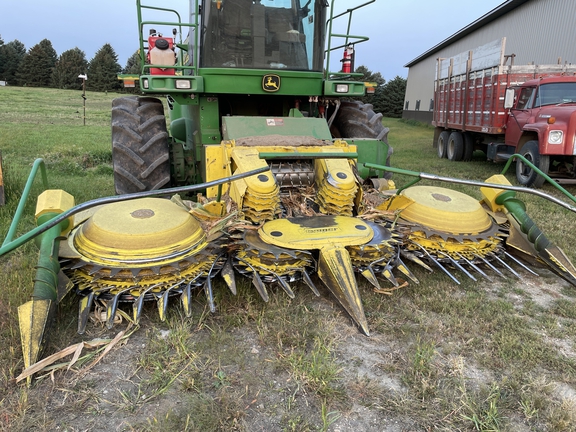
(144, 229)
(442, 209)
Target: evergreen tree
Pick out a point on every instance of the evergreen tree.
(133, 64)
(389, 99)
(369, 76)
(70, 64)
(11, 55)
(36, 66)
(103, 70)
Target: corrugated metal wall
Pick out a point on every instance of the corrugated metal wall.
(539, 31)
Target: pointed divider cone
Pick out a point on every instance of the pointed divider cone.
(228, 276)
(559, 262)
(33, 316)
(526, 237)
(369, 275)
(84, 311)
(405, 270)
(335, 270)
(387, 273)
(330, 235)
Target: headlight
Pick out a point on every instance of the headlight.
(182, 84)
(145, 83)
(342, 88)
(555, 137)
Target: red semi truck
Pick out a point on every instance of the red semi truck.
(506, 109)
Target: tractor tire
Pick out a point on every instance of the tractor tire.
(455, 148)
(358, 120)
(140, 149)
(442, 144)
(525, 175)
(468, 147)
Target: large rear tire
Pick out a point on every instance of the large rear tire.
(468, 147)
(442, 144)
(358, 120)
(455, 148)
(524, 174)
(140, 150)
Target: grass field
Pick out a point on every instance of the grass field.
(476, 356)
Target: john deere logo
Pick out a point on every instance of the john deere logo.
(271, 83)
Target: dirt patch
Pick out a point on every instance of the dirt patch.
(244, 371)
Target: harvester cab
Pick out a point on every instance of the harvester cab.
(241, 33)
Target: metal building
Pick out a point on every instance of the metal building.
(535, 31)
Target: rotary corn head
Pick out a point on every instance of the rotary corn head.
(264, 130)
(126, 250)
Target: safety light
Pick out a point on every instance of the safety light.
(183, 84)
(370, 87)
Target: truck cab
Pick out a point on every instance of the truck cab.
(541, 125)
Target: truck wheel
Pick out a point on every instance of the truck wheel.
(527, 176)
(442, 144)
(468, 147)
(140, 152)
(455, 148)
(358, 120)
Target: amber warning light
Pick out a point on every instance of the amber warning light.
(370, 87)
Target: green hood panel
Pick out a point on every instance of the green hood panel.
(242, 127)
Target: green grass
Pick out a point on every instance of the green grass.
(476, 356)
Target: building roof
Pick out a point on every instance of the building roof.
(494, 14)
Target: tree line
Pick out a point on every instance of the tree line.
(40, 66)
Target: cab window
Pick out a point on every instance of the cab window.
(525, 98)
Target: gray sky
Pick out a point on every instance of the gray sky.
(399, 30)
